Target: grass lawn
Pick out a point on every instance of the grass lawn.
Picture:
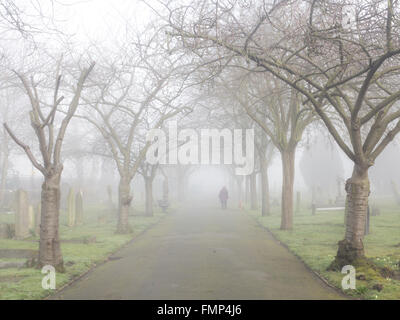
(25, 283)
(314, 240)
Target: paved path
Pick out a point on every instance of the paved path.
(202, 254)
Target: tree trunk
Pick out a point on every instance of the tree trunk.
(124, 204)
(49, 244)
(265, 202)
(149, 196)
(253, 191)
(351, 248)
(288, 157)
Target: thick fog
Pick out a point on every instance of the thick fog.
(200, 149)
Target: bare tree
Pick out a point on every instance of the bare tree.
(17, 17)
(120, 121)
(50, 142)
(265, 151)
(133, 92)
(148, 172)
(353, 68)
(280, 114)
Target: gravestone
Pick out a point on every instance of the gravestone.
(30, 257)
(31, 213)
(21, 208)
(7, 230)
(4, 231)
(71, 208)
(79, 207)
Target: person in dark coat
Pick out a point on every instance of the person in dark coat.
(223, 197)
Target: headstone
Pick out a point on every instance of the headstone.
(7, 230)
(71, 208)
(30, 257)
(21, 215)
(3, 231)
(31, 213)
(18, 253)
(79, 207)
(12, 264)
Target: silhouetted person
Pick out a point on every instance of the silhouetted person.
(223, 197)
